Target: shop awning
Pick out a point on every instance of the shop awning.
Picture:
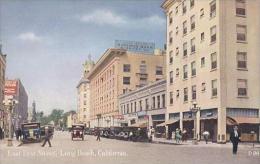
(139, 124)
(161, 124)
(208, 118)
(242, 120)
(171, 121)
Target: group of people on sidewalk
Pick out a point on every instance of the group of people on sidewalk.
(2, 133)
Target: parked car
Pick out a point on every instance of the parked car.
(31, 132)
(77, 131)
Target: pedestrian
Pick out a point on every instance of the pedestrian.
(1, 133)
(19, 134)
(206, 136)
(98, 134)
(16, 134)
(177, 135)
(235, 138)
(184, 135)
(48, 135)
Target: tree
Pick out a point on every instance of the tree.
(55, 116)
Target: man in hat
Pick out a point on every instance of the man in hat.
(235, 138)
(48, 135)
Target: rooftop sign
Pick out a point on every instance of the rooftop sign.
(134, 46)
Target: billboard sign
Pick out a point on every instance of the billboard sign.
(134, 46)
(11, 87)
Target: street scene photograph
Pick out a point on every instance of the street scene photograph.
(129, 81)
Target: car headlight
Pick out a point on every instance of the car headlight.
(80, 132)
(74, 132)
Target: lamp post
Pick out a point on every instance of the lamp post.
(10, 102)
(194, 109)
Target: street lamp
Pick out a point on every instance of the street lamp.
(194, 109)
(9, 103)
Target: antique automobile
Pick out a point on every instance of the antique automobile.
(31, 132)
(77, 131)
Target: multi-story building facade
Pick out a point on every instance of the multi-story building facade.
(16, 89)
(212, 58)
(3, 113)
(116, 72)
(71, 119)
(145, 106)
(32, 112)
(83, 89)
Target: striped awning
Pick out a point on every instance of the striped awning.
(140, 124)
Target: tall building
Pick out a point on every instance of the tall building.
(16, 89)
(83, 90)
(213, 60)
(116, 72)
(3, 113)
(71, 119)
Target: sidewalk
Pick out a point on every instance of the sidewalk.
(3, 143)
(202, 143)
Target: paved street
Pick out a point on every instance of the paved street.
(113, 151)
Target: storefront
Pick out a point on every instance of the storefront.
(188, 124)
(248, 122)
(209, 122)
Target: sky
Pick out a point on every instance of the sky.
(47, 41)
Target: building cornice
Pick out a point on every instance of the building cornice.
(82, 80)
(108, 53)
(167, 4)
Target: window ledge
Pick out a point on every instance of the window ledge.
(201, 41)
(184, 35)
(243, 97)
(192, 52)
(184, 79)
(192, 30)
(193, 76)
(242, 69)
(214, 97)
(203, 91)
(185, 57)
(212, 17)
(241, 41)
(243, 16)
(214, 69)
(211, 43)
(185, 102)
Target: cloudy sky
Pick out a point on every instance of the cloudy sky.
(47, 41)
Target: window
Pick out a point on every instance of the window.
(170, 57)
(203, 87)
(140, 105)
(184, 8)
(163, 100)
(177, 93)
(171, 98)
(202, 62)
(127, 68)
(185, 94)
(159, 70)
(202, 37)
(146, 104)
(142, 68)
(194, 94)
(242, 87)
(192, 3)
(131, 108)
(135, 106)
(201, 13)
(193, 68)
(158, 102)
(192, 22)
(171, 77)
(240, 8)
(192, 43)
(185, 72)
(185, 49)
(127, 108)
(153, 102)
(213, 35)
(241, 33)
(213, 9)
(184, 25)
(170, 18)
(214, 88)
(214, 60)
(176, 10)
(177, 51)
(241, 60)
(126, 80)
(177, 72)
(170, 37)
(177, 30)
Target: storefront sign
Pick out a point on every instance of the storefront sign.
(144, 47)
(10, 87)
